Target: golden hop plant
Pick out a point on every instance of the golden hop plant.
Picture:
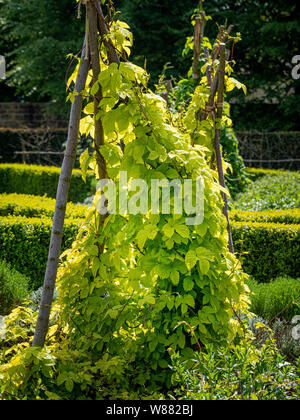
(135, 288)
(137, 284)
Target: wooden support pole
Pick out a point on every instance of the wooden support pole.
(210, 107)
(91, 11)
(42, 325)
(94, 12)
(220, 106)
(103, 30)
(218, 41)
(196, 74)
(198, 38)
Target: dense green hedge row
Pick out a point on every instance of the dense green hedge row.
(24, 242)
(40, 180)
(35, 206)
(268, 250)
(289, 217)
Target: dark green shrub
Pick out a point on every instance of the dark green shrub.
(279, 191)
(268, 250)
(25, 242)
(279, 298)
(34, 206)
(13, 288)
(41, 180)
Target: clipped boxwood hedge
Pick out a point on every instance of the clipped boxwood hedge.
(289, 216)
(24, 243)
(268, 250)
(41, 180)
(34, 206)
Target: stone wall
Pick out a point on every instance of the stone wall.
(27, 115)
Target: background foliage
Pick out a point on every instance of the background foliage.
(41, 180)
(274, 249)
(39, 37)
(270, 32)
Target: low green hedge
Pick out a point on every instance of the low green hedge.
(34, 206)
(41, 180)
(290, 216)
(268, 250)
(24, 243)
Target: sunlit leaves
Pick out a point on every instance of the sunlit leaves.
(87, 126)
(232, 83)
(182, 230)
(133, 279)
(188, 284)
(191, 259)
(175, 276)
(149, 232)
(85, 160)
